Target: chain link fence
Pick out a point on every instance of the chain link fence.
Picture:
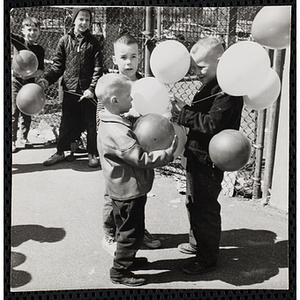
(185, 24)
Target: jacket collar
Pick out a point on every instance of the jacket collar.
(106, 116)
(84, 34)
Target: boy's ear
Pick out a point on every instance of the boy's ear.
(114, 100)
(114, 60)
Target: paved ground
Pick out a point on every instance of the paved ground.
(57, 233)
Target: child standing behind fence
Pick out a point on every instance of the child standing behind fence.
(128, 173)
(79, 60)
(31, 33)
(126, 57)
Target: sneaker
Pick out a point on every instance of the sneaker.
(187, 248)
(150, 241)
(109, 245)
(194, 268)
(55, 158)
(129, 279)
(93, 161)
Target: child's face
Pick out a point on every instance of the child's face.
(82, 21)
(126, 58)
(204, 66)
(124, 99)
(31, 33)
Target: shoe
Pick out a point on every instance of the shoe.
(150, 241)
(93, 161)
(28, 145)
(109, 245)
(194, 268)
(130, 280)
(55, 158)
(138, 263)
(187, 248)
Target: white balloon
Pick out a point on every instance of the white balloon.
(150, 96)
(243, 67)
(266, 94)
(170, 61)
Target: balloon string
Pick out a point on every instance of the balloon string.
(200, 100)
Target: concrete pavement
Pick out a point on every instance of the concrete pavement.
(57, 233)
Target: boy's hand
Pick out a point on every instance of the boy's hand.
(43, 83)
(86, 94)
(173, 146)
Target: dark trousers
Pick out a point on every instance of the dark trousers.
(16, 113)
(109, 225)
(76, 118)
(130, 222)
(203, 189)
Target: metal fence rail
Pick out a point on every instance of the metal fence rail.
(186, 24)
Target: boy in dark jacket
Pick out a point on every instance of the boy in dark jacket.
(31, 33)
(79, 60)
(128, 173)
(211, 111)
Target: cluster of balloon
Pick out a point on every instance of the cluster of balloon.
(154, 132)
(150, 96)
(242, 68)
(265, 95)
(180, 131)
(170, 61)
(25, 63)
(31, 99)
(271, 27)
(229, 150)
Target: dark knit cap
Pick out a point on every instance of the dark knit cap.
(76, 10)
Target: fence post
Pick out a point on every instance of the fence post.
(149, 34)
(272, 129)
(158, 13)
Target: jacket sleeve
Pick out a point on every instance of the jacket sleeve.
(98, 68)
(210, 122)
(59, 62)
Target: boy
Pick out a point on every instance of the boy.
(211, 111)
(79, 60)
(126, 57)
(128, 173)
(31, 32)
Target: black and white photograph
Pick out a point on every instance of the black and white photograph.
(149, 148)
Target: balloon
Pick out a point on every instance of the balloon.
(271, 27)
(154, 132)
(31, 99)
(150, 96)
(25, 63)
(266, 94)
(182, 138)
(170, 61)
(229, 150)
(242, 68)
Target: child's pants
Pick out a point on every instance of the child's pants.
(203, 189)
(130, 221)
(109, 226)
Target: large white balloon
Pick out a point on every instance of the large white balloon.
(266, 94)
(150, 96)
(170, 61)
(242, 68)
(271, 27)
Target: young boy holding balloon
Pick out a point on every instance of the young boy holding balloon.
(126, 57)
(23, 76)
(211, 111)
(128, 173)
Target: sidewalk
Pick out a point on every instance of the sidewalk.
(57, 233)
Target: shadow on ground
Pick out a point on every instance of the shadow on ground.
(246, 257)
(21, 234)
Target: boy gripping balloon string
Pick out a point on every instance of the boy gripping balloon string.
(31, 32)
(126, 57)
(211, 111)
(78, 60)
(128, 173)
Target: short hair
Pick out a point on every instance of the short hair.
(211, 45)
(126, 39)
(31, 21)
(109, 85)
